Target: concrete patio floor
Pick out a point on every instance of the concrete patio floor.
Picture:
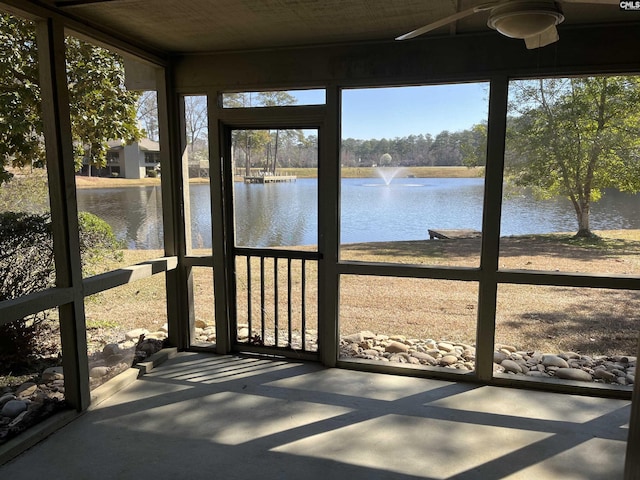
(201, 416)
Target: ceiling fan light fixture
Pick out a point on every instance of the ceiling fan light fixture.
(526, 20)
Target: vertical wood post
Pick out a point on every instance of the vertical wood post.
(328, 229)
(222, 229)
(64, 208)
(491, 213)
(178, 308)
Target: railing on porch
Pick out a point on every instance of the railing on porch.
(276, 299)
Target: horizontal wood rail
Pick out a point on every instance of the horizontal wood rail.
(277, 253)
(17, 308)
(122, 276)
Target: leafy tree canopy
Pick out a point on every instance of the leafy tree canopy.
(20, 118)
(264, 143)
(101, 107)
(574, 137)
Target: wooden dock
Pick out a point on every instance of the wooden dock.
(270, 178)
(453, 234)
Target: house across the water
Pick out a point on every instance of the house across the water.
(137, 160)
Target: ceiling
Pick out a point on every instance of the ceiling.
(183, 26)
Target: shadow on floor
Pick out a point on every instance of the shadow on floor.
(203, 416)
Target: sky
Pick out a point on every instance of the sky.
(392, 112)
(402, 111)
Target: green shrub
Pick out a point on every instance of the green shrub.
(27, 266)
(27, 193)
(97, 242)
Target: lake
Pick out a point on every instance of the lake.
(285, 214)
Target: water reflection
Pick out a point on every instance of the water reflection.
(282, 214)
(286, 214)
(134, 213)
(401, 211)
(200, 203)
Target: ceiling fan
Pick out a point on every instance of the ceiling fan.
(534, 21)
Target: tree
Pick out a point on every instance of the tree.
(274, 99)
(256, 141)
(196, 122)
(305, 151)
(249, 142)
(101, 107)
(473, 145)
(20, 115)
(147, 114)
(244, 140)
(445, 149)
(574, 137)
(27, 193)
(385, 160)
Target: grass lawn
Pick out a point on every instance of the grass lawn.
(590, 321)
(547, 319)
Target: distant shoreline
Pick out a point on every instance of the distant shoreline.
(111, 182)
(346, 172)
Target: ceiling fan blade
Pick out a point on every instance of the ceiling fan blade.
(547, 37)
(445, 21)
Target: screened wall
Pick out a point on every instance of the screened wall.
(464, 295)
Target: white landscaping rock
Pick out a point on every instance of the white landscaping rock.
(243, 332)
(5, 398)
(554, 361)
(448, 360)
(135, 334)
(603, 374)
(355, 338)
(13, 408)
(445, 347)
(97, 372)
(424, 357)
(26, 390)
(511, 366)
(573, 374)
(156, 335)
(397, 347)
(53, 373)
(499, 357)
(111, 349)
